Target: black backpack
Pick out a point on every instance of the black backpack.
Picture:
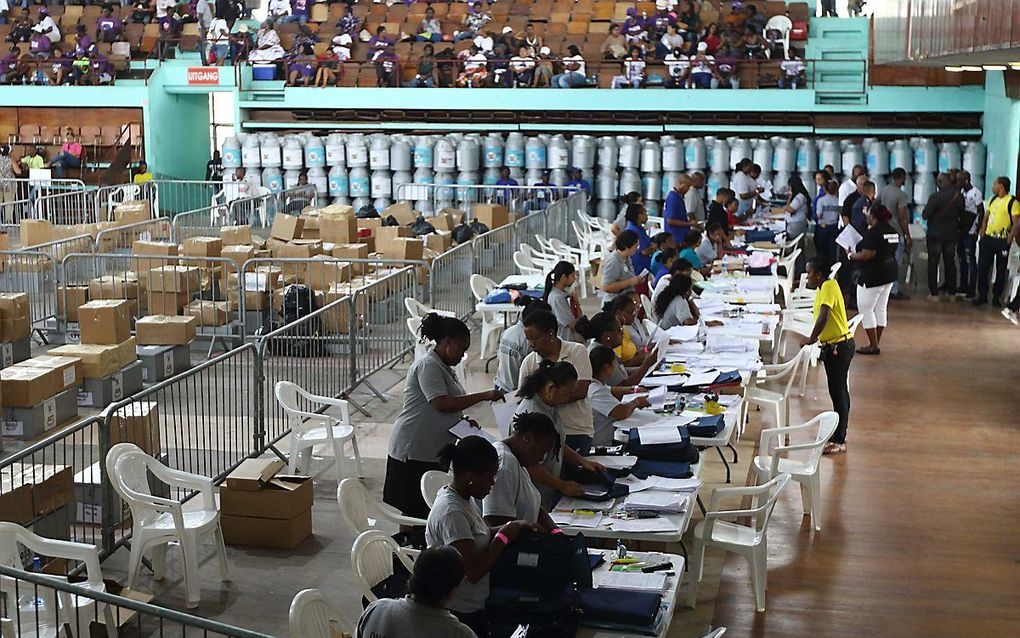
(301, 340)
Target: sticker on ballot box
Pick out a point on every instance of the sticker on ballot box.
(50, 413)
(14, 428)
(168, 363)
(68, 377)
(117, 386)
(84, 399)
(7, 354)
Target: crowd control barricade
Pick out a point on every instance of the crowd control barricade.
(493, 251)
(35, 274)
(121, 239)
(257, 211)
(67, 207)
(204, 421)
(29, 609)
(173, 196)
(432, 198)
(449, 280)
(53, 486)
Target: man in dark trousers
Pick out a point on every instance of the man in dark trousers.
(943, 213)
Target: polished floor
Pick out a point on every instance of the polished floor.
(921, 530)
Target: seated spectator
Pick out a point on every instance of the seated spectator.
(774, 45)
(755, 45)
(387, 68)
(169, 33)
(661, 21)
(426, 75)
(543, 69)
(726, 67)
(218, 37)
(475, 68)
(429, 29)
(507, 39)
(108, 26)
(522, 66)
(573, 71)
(21, 30)
(39, 46)
(34, 160)
(328, 71)
(302, 53)
(500, 75)
(736, 17)
(635, 28)
(703, 70)
(485, 42)
(678, 67)
(143, 175)
(299, 11)
(60, 67)
(380, 42)
(241, 43)
(473, 22)
(341, 46)
(5, 12)
(141, 12)
(69, 155)
(633, 71)
(793, 73)
(712, 38)
(754, 20)
(531, 38)
(732, 38)
(267, 44)
(614, 47)
(670, 41)
(165, 8)
(47, 26)
(688, 18)
(446, 67)
(278, 11)
(348, 23)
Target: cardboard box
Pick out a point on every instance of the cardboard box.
(120, 286)
(339, 230)
(286, 227)
(297, 249)
(88, 497)
(98, 361)
(209, 313)
(70, 367)
(132, 211)
(166, 303)
(26, 386)
(239, 253)
(105, 322)
(261, 508)
(492, 215)
(99, 393)
(337, 210)
(235, 235)
(35, 231)
(52, 486)
(203, 247)
(352, 251)
(323, 272)
(402, 212)
(31, 423)
(160, 330)
(439, 241)
(15, 316)
(445, 221)
(137, 423)
(253, 300)
(369, 242)
(76, 296)
(370, 224)
(160, 249)
(403, 248)
(179, 279)
(163, 362)
(15, 498)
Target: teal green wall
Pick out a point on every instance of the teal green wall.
(179, 134)
(1001, 128)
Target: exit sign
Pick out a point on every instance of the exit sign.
(203, 75)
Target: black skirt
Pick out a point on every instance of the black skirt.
(402, 488)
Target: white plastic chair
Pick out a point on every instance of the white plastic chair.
(784, 282)
(25, 618)
(576, 257)
(799, 322)
(715, 633)
(158, 521)
(647, 305)
(418, 310)
(308, 429)
(772, 460)
(784, 26)
(778, 400)
(492, 322)
(313, 616)
(527, 266)
(431, 482)
(356, 504)
(372, 560)
(749, 541)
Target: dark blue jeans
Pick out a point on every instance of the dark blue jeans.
(580, 443)
(825, 241)
(966, 252)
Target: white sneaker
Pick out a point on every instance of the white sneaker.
(1011, 316)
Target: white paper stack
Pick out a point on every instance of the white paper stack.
(657, 501)
(614, 462)
(570, 519)
(464, 429)
(683, 333)
(659, 435)
(643, 525)
(633, 581)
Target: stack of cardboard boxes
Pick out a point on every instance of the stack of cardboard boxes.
(38, 394)
(110, 363)
(15, 328)
(260, 507)
(41, 495)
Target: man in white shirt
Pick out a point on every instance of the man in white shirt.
(850, 185)
(694, 199)
(484, 42)
(573, 70)
(218, 36)
(678, 66)
(47, 26)
(278, 9)
(241, 186)
(966, 249)
(792, 71)
(744, 186)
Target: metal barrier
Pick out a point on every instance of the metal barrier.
(67, 208)
(17, 197)
(449, 280)
(494, 251)
(33, 600)
(121, 239)
(257, 212)
(521, 200)
(35, 274)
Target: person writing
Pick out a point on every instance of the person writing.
(455, 521)
(876, 254)
(606, 330)
(635, 336)
(837, 346)
(434, 401)
(675, 305)
(560, 295)
(606, 402)
(437, 574)
(514, 496)
(617, 273)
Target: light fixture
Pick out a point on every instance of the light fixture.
(994, 67)
(954, 69)
(972, 69)
(1015, 66)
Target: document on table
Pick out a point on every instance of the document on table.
(656, 501)
(702, 378)
(663, 380)
(614, 462)
(569, 503)
(638, 525)
(683, 333)
(504, 411)
(464, 429)
(633, 581)
(660, 483)
(640, 419)
(659, 434)
(570, 519)
(849, 238)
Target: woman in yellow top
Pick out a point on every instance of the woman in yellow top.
(837, 345)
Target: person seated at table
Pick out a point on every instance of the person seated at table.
(547, 391)
(635, 336)
(712, 244)
(680, 266)
(560, 294)
(688, 250)
(667, 257)
(661, 241)
(514, 347)
(514, 495)
(606, 402)
(675, 305)
(437, 574)
(617, 272)
(637, 217)
(605, 330)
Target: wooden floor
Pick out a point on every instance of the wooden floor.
(921, 529)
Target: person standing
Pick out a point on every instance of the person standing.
(998, 231)
(745, 187)
(827, 221)
(838, 346)
(878, 271)
(797, 208)
(894, 198)
(848, 187)
(943, 212)
(674, 212)
(694, 200)
(966, 248)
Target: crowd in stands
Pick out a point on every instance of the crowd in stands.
(670, 43)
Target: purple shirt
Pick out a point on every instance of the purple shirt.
(633, 26)
(301, 7)
(111, 23)
(83, 45)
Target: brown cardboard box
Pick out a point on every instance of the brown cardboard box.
(261, 508)
(253, 300)
(178, 279)
(105, 321)
(209, 313)
(15, 499)
(160, 248)
(337, 210)
(121, 286)
(269, 277)
(492, 215)
(352, 251)
(52, 486)
(402, 212)
(369, 241)
(286, 227)
(203, 247)
(370, 223)
(166, 303)
(445, 220)
(239, 253)
(439, 241)
(123, 617)
(70, 368)
(25, 386)
(164, 330)
(132, 211)
(98, 361)
(322, 272)
(35, 231)
(137, 423)
(15, 318)
(339, 230)
(75, 296)
(235, 235)
(403, 248)
(297, 249)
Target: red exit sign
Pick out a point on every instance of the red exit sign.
(203, 75)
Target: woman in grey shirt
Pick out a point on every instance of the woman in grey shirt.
(606, 404)
(455, 521)
(797, 208)
(675, 305)
(514, 347)
(557, 293)
(605, 330)
(514, 495)
(434, 401)
(617, 272)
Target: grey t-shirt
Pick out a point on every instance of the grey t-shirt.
(514, 493)
(554, 464)
(893, 197)
(513, 347)
(400, 617)
(454, 519)
(706, 251)
(576, 415)
(694, 200)
(638, 333)
(420, 430)
(619, 370)
(829, 210)
(602, 401)
(615, 268)
(678, 311)
(560, 302)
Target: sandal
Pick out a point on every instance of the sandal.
(834, 448)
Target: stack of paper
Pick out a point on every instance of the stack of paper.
(640, 419)
(643, 525)
(657, 501)
(465, 429)
(635, 484)
(683, 333)
(702, 378)
(569, 504)
(663, 380)
(571, 519)
(614, 462)
(633, 581)
(659, 435)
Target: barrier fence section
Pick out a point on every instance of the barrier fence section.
(257, 211)
(18, 195)
(173, 196)
(203, 420)
(449, 280)
(33, 602)
(121, 239)
(35, 274)
(520, 200)
(493, 251)
(68, 207)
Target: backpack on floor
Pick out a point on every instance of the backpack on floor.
(302, 340)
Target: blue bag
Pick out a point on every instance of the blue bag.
(666, 469)
(682, 451)
(624, 611)
(760, 234)
(707, 426)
